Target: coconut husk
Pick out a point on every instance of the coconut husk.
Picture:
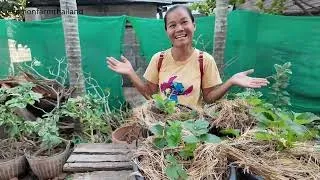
(230, 114)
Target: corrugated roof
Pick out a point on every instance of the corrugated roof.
(95, 2)
(291, 7)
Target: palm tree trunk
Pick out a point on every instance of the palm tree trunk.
(72, 44)
(220, 32)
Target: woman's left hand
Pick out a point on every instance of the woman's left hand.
(243, 80)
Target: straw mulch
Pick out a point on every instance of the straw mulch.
(262, 158)
(230, 114)
(211, 161)
(148, 114)
(255, 157)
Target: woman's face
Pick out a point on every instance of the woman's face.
(180, 27)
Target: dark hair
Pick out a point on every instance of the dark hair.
(175, 7)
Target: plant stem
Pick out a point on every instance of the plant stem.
(92, 137)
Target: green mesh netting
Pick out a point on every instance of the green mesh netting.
(153, 38)
(256, 41)
(99, 37)
(4, 51)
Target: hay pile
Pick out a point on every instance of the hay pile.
(230, 114)
(209, 162)
(148, 114)
(259, 158)
(212, 161)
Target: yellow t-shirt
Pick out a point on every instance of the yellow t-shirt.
(180, 80)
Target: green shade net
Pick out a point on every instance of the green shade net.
(152, 36)
(4, 51)
(259, 41)
(99, 37)
(255, 41)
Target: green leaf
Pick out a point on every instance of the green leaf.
(188, 125)
(190, 139)
(201, 124)
(254, 101)
(182, 173)
(298, 129)
(264, 136)
(173, 138)
(171, 159)
(305, 118)
(188, 150)
(172, 172)
(210, 138)
(197, 128)
(157, 130)
(230, 131)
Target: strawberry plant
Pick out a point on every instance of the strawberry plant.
(170, 136)
(164, 104)
(174, 170)
(284, 127)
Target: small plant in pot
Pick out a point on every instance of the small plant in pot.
(12, 160)
(47, 160)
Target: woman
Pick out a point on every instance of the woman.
(183, 73)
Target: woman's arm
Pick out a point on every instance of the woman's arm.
(214, 93)
(240, 79)
(146, 89)
(125, 68)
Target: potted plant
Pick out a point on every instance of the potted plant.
(48, 159)
(12, 159)
(91, 117)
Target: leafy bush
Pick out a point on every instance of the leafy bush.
(89, 110)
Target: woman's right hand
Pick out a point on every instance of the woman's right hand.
(123, 67)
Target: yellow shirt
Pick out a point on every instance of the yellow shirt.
(180, 80)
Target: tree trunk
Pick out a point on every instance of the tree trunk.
(72, 44)
(220, 32)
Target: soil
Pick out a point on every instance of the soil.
(10, 149)
(42, 152)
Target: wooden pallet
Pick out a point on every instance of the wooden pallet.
(100, 157)
(104, 175)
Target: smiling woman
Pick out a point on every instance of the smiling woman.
(183, 73)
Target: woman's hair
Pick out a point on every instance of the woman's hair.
(175, 7)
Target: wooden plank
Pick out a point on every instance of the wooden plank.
(102, 166)
(75, 158)
(104, 175)
(103, 148)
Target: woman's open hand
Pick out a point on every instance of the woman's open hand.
(122, 67)
(243, 80)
